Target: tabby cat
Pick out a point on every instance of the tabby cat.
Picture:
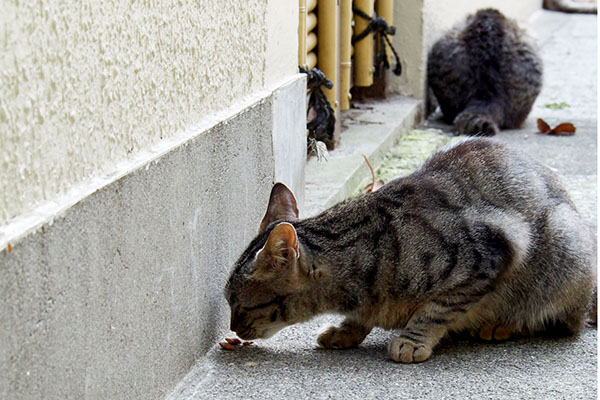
(484, 74)
(478, 239)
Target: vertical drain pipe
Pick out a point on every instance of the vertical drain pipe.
(385, 9)
(302, 34)
(345, 53)
(363, 49)
(327, 57)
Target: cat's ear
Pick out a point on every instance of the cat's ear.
(279, 253)
(282, 204)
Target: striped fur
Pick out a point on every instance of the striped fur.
(478, 239)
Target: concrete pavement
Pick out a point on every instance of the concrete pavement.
(291, 366)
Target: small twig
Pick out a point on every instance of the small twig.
(372, 173)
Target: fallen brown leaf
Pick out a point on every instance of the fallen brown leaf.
(543, 127)
(565, 128)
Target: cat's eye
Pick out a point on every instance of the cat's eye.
(274, 316)
(276, 300)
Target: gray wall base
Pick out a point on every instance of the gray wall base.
(118, 296)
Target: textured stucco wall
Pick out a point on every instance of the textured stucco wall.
(420, 23)
(84, 85)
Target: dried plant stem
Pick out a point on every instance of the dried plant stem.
(372, 173)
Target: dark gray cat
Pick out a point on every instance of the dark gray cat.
(478, 239)
(485, 75)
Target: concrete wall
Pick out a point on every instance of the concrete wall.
(119, 295)
(140, 140)
(420, 23)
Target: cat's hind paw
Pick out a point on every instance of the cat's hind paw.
(340, 337)
(493, 332)
(406, 351)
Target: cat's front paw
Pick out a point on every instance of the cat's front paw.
(341, 337)
(407, 351)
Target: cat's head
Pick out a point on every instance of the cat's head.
(269, 273)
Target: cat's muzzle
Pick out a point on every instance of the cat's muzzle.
(246, 333)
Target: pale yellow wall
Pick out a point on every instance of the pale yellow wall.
(282, 40)
(87, 84)
(420, 23)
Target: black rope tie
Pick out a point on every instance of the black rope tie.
(322, 126)
(381, 29)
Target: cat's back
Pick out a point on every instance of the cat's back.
(484, 34)
(489, 36)
(476, 178)
(482, 172)
(474, 156)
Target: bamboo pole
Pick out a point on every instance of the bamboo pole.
(311, 60)
(363, 49)
(385, 9)
(327, 52)
(302, 33)
(345, 53)
(311, 41)
(311, 21)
